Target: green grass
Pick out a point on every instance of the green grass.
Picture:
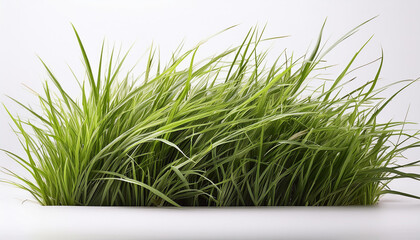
(226, 131)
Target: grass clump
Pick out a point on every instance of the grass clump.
(216, 133)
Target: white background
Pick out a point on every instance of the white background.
(31, 28)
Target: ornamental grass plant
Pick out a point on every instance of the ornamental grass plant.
(228, 130)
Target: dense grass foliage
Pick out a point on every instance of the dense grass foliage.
(226, 131)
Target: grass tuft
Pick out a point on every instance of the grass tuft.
(225, 131)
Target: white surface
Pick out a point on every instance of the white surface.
(43, 27)
(389, 220)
